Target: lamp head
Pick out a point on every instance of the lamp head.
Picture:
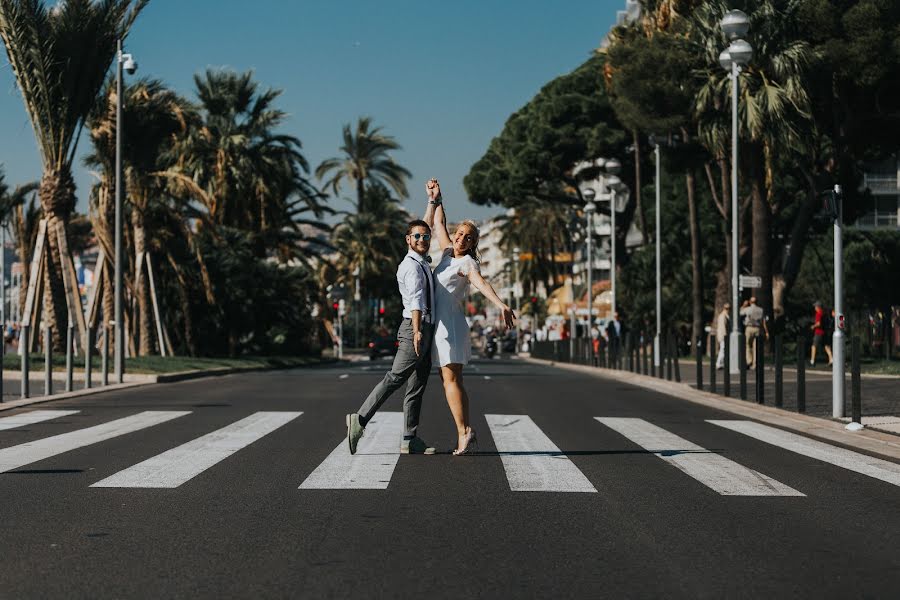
(589, 194)
(613, 166)
(741, 52)
(725, 60)
(129, 64)
(735, 24)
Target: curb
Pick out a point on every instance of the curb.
(867, 440)
(74, 394)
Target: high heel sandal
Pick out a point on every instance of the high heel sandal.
(471, 443)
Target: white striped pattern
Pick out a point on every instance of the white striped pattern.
(178, 465)
(30, 418)
(29, 452)
(533, 463)
(716, 472)
(373, 464)
(841, 457)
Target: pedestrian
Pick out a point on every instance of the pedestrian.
(754, 322)
(723, 321)
(820, 332)
(412, 363)
(615, 333)
(457, 269)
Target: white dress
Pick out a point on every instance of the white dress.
(451, 334)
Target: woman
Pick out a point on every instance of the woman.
(452, 349)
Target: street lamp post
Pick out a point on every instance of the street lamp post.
(837, 342)
(735, 25)
(612, 167)
(658, 339)
(517, 293)
(589, 210)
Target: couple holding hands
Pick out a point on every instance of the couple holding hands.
(434, 331)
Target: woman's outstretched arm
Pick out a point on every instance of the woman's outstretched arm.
(440, 227)
(433, 192)
(484, 286)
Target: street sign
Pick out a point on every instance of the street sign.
(750, 281)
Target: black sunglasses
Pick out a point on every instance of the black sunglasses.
(425, 236)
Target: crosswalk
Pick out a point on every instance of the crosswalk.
(532, 462)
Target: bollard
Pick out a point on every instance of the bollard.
(48, 361)
(726, 374)
(742, 362)
(667, 349)
(104, 358)
(698, 351)
(23, 353)
(87, 357)
(712, 365)
(856, 400)
(760, 370)
(801, 375)
(2, 354)
(675, 356)
(779, 372)
(644, 351)
(69, 347)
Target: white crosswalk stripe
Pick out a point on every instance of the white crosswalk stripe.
(533, 463)
(841, 457)
(30, 418)
(29, 452)
(178, 465)
(718, 473)
(373, 464)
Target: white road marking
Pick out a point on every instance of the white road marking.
(533, 463)
(841, 457)
(29, 452)
(35, 416)
(373, 464)
(178, 465)
(716, 472)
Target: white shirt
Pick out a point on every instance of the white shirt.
(411, 279)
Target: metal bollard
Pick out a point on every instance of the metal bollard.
(801, 375)
(698, 351)
(675, 356)
(104, 358)
(779, 372)
(644, 351)
(88, 347)
(712, 365)
(69, 347)
(856, 383)
(742, 361)
(48, 361)
(23, 353)
(667, 349)
(726, 374)
(760, 370)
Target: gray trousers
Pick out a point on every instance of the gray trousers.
(407, 367)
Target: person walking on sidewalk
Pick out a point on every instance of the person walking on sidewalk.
(413, 360)
(723, 320)
(754, 320)
(821, 331)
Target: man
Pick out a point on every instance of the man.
(722, 321)
(413, 360)
(820, 334)
(754, 319)
(615, 332)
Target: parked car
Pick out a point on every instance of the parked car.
(382, 345)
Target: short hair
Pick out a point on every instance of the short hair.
(416, 223)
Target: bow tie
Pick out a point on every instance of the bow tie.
(427, 258)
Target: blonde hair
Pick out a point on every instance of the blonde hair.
(476, 234)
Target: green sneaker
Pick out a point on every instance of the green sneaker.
(354, 431)
(415, 446)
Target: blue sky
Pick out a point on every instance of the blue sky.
(441, 77)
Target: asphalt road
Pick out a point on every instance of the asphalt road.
(644, 524)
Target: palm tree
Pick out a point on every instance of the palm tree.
(154, 116)
(366, 159)
(542, 233)
(774, 115)
(60, 57)
(22, 213)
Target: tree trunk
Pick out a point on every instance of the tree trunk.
(57, 194)
(761, 217)
(360, 197)
(642, 219)
(696, 260)
(142, 287)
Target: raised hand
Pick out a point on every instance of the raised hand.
(509, 317)
(433, 188)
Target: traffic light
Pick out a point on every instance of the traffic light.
(335, 306)
(381, 310)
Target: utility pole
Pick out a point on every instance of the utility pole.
(837, 342)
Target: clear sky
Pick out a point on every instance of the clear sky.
(441, 77)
